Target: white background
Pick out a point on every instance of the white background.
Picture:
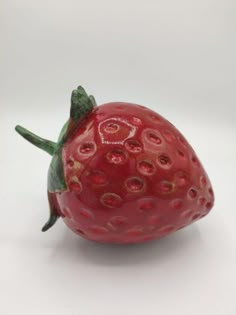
(176, 57)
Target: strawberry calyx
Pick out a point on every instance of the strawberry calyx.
(81, 105)
(44, 144)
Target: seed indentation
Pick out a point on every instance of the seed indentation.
(87, 148)
(70, 163)
(168, 135)
(176, 204)
(111, 200)
(203, 181)
(211, 191)
(187, 214)
(195, 161)
(146, 206)
(182, 140)
(75, 185)
(111, 128)
(196, 216)
(97, 177)
(80, 231)
(180, 154)
(155, 118)
(154, 220)
(67, 212)
(133, 146)
(136, 121)
(111, 226)
(192, 193)
(153, 138)
(135, 231)
(85, 213)
(181, 179)
(116, 156)
(118, 220)
(134, 184)
(166, 230)
(165, 187)
(146, 167)
(97, 229)
(120, 107)
(201, 201)
(164, 161)
(208, 205)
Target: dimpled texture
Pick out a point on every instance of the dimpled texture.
(131, 177)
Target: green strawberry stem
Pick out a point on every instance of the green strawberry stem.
(51, 221)
(81, 105)
(46, 145)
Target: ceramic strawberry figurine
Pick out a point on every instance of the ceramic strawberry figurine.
(121, 173)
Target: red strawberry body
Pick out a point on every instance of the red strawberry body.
(130, 177)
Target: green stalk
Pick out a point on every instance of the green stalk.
(46, 145)
(81, 105)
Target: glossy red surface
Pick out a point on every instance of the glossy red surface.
(131, 177)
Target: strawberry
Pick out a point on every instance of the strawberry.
(121, 173)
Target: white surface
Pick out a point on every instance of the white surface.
(177, 57)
